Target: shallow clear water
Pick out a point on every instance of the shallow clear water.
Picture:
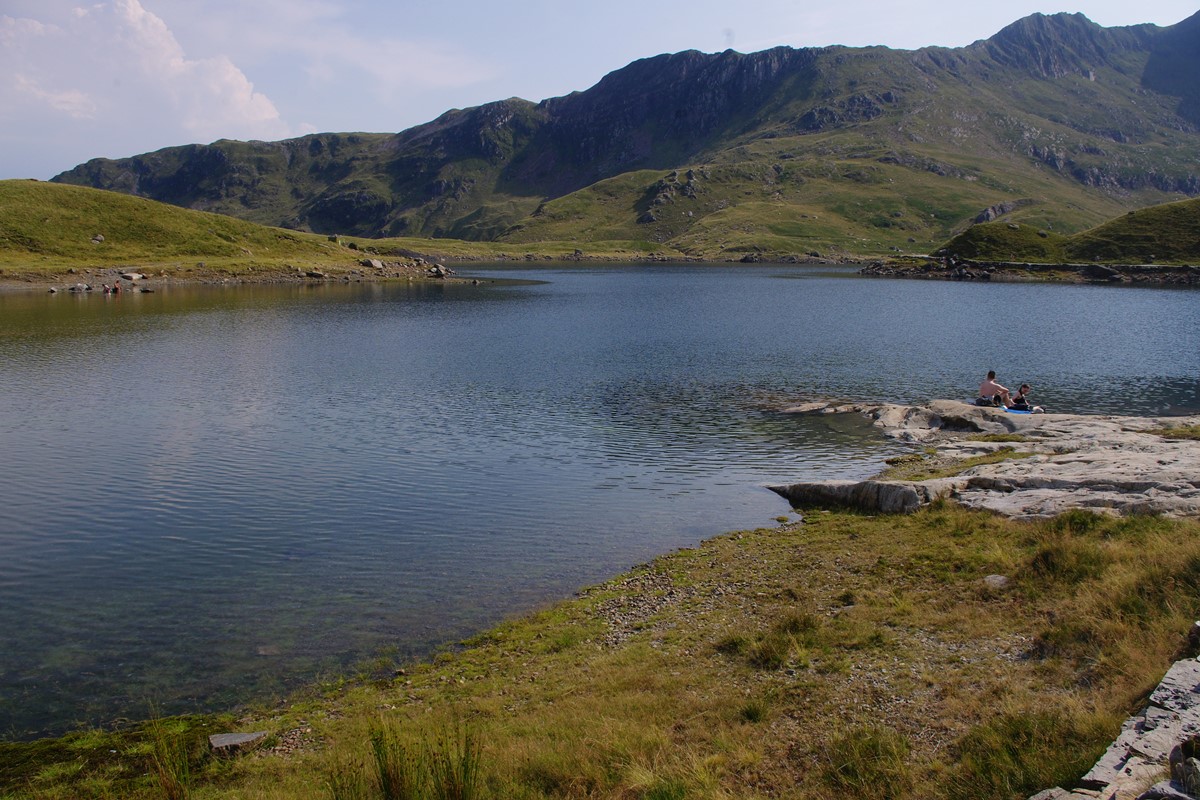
(213, 495)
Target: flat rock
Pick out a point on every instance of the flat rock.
(234, 743)
(1109, 464)
(1179, 690)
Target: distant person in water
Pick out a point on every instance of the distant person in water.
(992, 393)
(1020, 401)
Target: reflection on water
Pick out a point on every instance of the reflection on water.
(214, 494)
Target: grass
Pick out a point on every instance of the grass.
(998, 437)
(1191, 432)
(1167, 233)
(927, 466)
(846, 656)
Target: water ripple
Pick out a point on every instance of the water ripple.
(214, 495)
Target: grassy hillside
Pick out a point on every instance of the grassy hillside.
(1168, 233)
(1162, 234)
(49, 228)
(791, 196)
(46, 226)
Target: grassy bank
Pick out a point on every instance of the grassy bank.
(52, 232)
(843, 656)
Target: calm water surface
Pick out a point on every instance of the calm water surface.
(214, 495)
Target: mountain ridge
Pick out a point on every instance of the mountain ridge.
(1053, 109)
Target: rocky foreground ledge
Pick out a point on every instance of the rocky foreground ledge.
(1109, 464)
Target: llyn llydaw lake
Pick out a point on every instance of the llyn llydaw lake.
(214, 495)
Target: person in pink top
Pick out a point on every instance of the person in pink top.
(989, 391)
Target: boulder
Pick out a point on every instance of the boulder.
(1099, 272)
(876, 497)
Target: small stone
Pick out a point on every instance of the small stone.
(996, 583)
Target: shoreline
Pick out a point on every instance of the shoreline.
(950, 269)
(375, 268)
(75, 280)
(716, 605)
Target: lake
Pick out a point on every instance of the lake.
(214, 495)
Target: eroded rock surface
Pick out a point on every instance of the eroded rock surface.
(1110, 464)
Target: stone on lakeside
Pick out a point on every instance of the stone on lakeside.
(228, 744)
(884, 497)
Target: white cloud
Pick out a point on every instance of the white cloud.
(114, 77)
(211, 97)
(71, 102)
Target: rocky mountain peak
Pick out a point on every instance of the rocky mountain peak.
(1055, 45)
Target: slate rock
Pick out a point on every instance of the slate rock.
(1167, 790)
(1179, 689)
(229, 744)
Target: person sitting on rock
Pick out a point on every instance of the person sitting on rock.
(992, 393)
(1020, 401)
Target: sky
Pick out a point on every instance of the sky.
(116, 78)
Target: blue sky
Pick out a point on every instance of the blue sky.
(116, 78)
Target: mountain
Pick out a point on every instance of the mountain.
(1054, 121)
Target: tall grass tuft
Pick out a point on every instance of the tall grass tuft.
(785, 640)
(448, 769)
(869, 762)
(400, 771)
(455, 767)
(348, 781)
(169, 755)
(1024, 752)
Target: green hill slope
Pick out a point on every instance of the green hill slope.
(48, 226)
(1162, 234)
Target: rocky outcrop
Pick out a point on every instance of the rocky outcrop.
(1155, 755)
(1108, 464)
(885, 497)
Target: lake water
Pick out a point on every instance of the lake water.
(214, 495)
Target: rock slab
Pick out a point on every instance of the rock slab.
(1108, 464)
(231, 744)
